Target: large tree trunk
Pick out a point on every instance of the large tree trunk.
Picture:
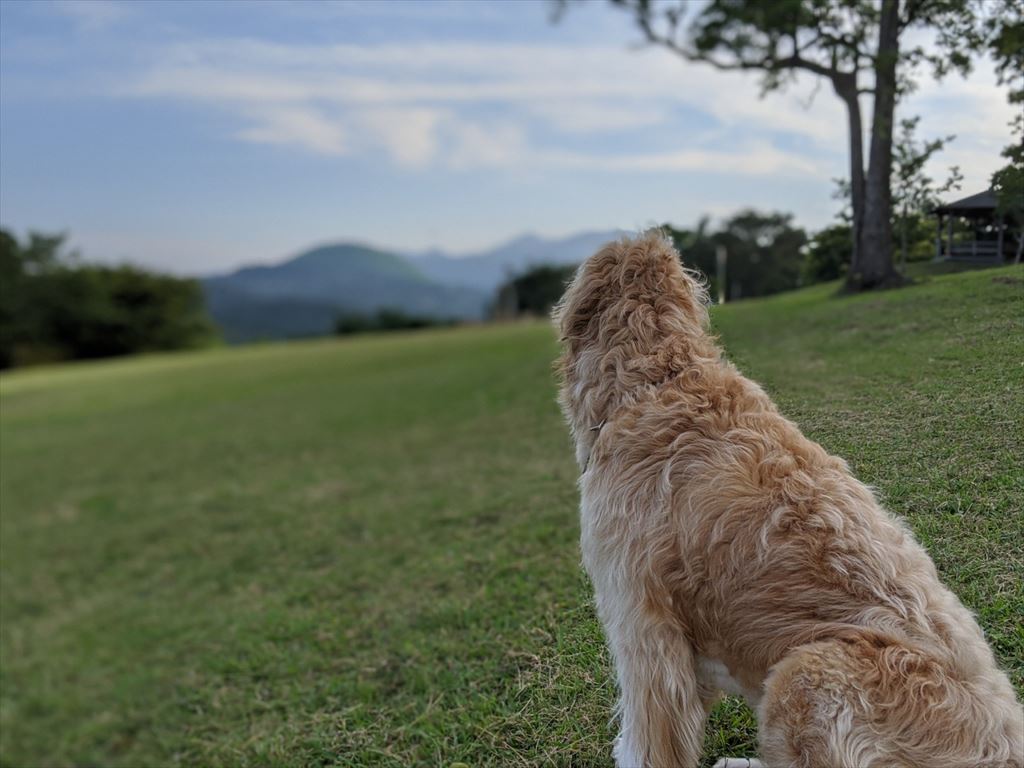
(874, 266)
(846, 88)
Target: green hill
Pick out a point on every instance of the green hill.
(364, 552)
(303, 296)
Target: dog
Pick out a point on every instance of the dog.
(730, 554)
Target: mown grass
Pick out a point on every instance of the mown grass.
(365, 552)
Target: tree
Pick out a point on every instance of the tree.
(697, 247)
(534, 292)
(765, 252)
(24, 270)
(53, 307)
(828, 254)
(1007, 48)
(844, 42)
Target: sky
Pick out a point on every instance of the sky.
(196, 137)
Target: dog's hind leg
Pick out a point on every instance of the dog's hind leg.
(866, 701)
(660, 708)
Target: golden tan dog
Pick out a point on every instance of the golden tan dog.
(730, 553)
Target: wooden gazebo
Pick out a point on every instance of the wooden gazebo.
(988, 230)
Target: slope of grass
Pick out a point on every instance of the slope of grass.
(365, 552)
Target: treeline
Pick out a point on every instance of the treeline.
(349, 323)
(534, 292)
(765, 254)
(53, 307)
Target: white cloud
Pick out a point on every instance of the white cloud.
(494, 146)
(408, 135)
(292, 125)
(758, 159)
(422, 105)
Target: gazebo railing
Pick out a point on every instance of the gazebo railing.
(976, 249)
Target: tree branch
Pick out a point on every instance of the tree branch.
(767, 63)
(912, 9)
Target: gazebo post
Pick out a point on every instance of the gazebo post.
(938, 239)
(999, 239)
(949, 237)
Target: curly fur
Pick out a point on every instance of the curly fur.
(723, 544)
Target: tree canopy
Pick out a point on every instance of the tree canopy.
(532, 292)
(52, 307)
(764, 252)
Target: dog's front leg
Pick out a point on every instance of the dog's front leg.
(660, 710)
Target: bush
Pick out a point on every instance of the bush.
(53, 308)
(827, 255)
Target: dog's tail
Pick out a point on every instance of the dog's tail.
(869, 701)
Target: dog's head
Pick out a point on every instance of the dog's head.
(632, 318)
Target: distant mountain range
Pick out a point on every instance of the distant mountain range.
(304, 295)
(485, 271)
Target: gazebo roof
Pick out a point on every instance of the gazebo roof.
(983, 202)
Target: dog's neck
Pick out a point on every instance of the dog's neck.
(604, 376)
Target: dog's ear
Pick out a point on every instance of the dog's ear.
(652, 273)
(576, 314)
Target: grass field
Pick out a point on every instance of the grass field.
(365, 552)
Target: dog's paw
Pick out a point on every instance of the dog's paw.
(738, 762)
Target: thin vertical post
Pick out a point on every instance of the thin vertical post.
(938, 239)
(1001, 225)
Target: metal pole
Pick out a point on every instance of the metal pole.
(903, 241)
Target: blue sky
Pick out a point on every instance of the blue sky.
(197, 136)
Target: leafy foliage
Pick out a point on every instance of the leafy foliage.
(534, 292)
(764, 253)
(54, 308)
(827, 256)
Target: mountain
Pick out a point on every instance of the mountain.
(486, 270)
(304, 295)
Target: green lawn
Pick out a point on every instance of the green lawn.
(365, 552)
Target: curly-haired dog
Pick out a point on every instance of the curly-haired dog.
(730, 553)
